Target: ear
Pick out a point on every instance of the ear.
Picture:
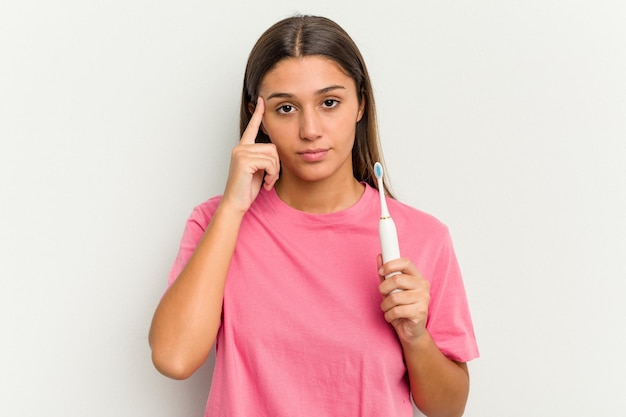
(359, 115)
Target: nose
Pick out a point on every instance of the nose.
(310, 125)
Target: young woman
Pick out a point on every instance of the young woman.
(283, 270)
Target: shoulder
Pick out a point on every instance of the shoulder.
(414, 218)
(202, 213)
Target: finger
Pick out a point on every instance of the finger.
(250, 134)
(394, 284)
(246, 153)
(395, 299)
(379, 261)
(253, 162)
(406, 312)
(385, 274)
(270, 180)
(404, 282)
(399, 265)
(379, 265)
(408, 296)
(259, 160)
(268, 153)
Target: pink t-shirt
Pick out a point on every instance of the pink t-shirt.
(302, 331)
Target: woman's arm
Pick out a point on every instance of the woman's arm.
(186, 321)
(439, 386)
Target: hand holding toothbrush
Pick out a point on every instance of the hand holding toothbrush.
(406, 297)
(406, 292)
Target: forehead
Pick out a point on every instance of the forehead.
(313, 73)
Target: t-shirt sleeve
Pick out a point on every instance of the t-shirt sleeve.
(449, 321)
(194, 229)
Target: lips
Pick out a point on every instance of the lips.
(313, 155)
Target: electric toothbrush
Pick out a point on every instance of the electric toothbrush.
(386, 227)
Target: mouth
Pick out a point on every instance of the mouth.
(313, 155)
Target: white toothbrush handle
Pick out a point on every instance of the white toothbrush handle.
(389, 243)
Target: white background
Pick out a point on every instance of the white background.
(505, 119)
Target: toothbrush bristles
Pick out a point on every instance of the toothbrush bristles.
(378, 170)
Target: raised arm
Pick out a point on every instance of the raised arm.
(186, 321)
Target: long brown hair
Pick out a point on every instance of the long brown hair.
(300, 36)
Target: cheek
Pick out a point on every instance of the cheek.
(283, 133)
(345, 130)
(273, 128)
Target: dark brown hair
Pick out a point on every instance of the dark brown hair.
(300, 36)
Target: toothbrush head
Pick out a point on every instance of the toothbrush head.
(378, 170)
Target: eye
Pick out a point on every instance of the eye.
(285, 109)
(330, 103)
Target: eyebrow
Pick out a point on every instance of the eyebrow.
(317, 93)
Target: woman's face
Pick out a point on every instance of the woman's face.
(311, 111)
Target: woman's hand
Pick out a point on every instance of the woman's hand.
(406, 310)
(251, 165)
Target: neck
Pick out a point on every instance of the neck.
(319, 197)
